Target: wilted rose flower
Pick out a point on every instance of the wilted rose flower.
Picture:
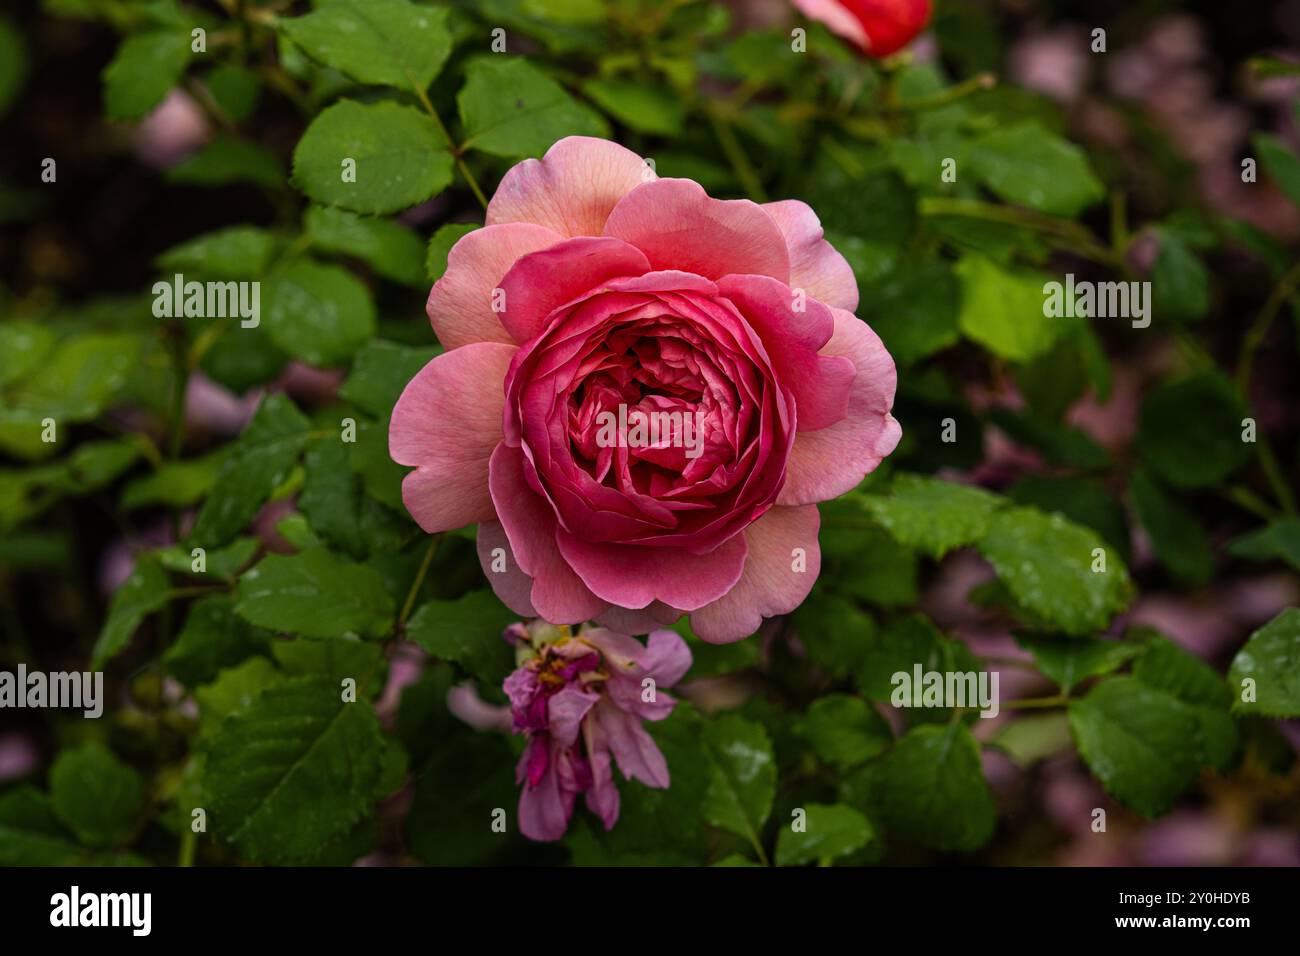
(878, 27)
(644, 394)
(581, 699)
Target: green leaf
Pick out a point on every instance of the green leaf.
(400, 158)
(235, 252)
(1180, 283)
(1271, 658)
(440, 244)
(380, 373)
(904, 643)
(338, 510)
(316, 594)
(1033, 737)
(837, 634)
(219, 564)
(510, 108)
(1084, 501)
(1028, 165)
(829, 832)
(144, 592)
(1069, 660)
(212, 639)
(1166, 666)
(393, 251)
(387, 42)
(30, 833)
(1003, 310)
(914, 309)
(742, 781)
(1190, 431)
(96, 795)
(228, 159)
(639, 106)
(297, 746)
(1280, 163)
(844, 730)
(930, 788)
(233, 691)
(22, 346)
(467, 631)
(235, 89)
(177, 484)
(1046, 562)
(1280, 540)
(1140, 742)
(13, 63)
(337, 660)
(931, 515)
(1177, 535)
(76, 381)
(319, 313)
(145, 67)
(255, 465)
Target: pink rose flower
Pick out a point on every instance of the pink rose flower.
(598, 298)
(581, 700)
(877, 27)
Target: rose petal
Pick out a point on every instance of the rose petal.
(546, 279)
(631, 576)
(771, 584)
(558, 594)
(815, 266)
(821, 383)
(447, 422)
(508, 580)
(460, 303)
(827, 463)
(837, 18)
(678, 226)
(571, 189)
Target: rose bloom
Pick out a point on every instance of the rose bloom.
(877, 27)
(598, 294)
(581, 700)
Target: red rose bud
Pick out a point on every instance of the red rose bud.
(879, 27)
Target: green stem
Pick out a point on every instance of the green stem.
(189, 842)
(1258, 331)
(456, 151)
(415, 585)
(1036, 703)
(1069, 235)
(977, 83)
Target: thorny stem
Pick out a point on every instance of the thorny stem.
(740, 164)
(977, 83)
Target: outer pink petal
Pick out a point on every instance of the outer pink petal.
(460, 303)
(571, 189)
(543, 280)
(677, 226)
(770, 584)
(565, 711)
(821, 383)
(633, 577)
(447, 422)
(827, 463)
(640, 620)
(511, 585)
(602, 798)
(837, 18)
(815, 266)
(558, 594)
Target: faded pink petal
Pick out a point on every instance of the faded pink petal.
(447, 422)
(815, 266)
(832, 461)
(772, 583)
(571, 189)
(678, 226)
(565, 713)
(460, 303)
(638, 756)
